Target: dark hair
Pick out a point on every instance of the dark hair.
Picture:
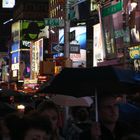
(103, 95)
(47, 105)
(80, 113)
(30, 122)
(18, 126)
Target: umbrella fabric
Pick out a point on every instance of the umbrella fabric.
(70, 101)
(45, 84)
(81, 82)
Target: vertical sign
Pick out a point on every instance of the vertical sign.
(97, 45)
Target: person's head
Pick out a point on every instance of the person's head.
(80, 114)
(9, 125)
(108, 109)
(37, 128)
(32, 127)
(49, 109)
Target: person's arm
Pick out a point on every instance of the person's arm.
(95, 131)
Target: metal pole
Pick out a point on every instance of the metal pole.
(96, 106)
(66, 30)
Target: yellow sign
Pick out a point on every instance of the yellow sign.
(134, 52)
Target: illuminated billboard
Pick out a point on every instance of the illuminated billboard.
(93, 5)
(8, 3)
(31, 30)
(98, 51)
(24, 69)
(15, 55)
(134, 52)
(80, 38)
(135, 35)
(16, 31)
(36, 56)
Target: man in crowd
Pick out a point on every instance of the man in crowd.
(108, 127)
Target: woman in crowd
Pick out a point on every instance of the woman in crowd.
(27, 127)
(50, 110)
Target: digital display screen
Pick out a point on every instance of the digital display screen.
(8, 3)
(80, 39)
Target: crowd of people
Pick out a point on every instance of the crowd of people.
(46, 122)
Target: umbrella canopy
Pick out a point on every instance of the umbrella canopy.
(81, 82)
(70, 101)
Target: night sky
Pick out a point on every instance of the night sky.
(5, 30)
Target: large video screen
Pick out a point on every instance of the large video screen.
(8, 3)
(80, 38)
(80, 35)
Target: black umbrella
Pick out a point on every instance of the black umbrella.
(81, 82)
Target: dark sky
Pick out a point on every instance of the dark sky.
(5, 30)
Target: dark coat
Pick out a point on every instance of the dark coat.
(121, 130)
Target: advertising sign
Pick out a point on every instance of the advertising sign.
(109, 36)
(134, 52)
(36, 54)
(31, 30)
(8, 3)
(93, 5)
(98, 51)
(80, 41)
(24, 66)
(16, 31)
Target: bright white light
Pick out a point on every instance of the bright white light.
(20, 107)
(8, 3)
(52, 31)
(133, 5)
(8, 21)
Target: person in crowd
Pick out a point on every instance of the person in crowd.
(80, 121)
(108, 127)
(51, 110)
(28, 127)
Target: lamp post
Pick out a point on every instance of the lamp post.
(66, 30)
(68, 4)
